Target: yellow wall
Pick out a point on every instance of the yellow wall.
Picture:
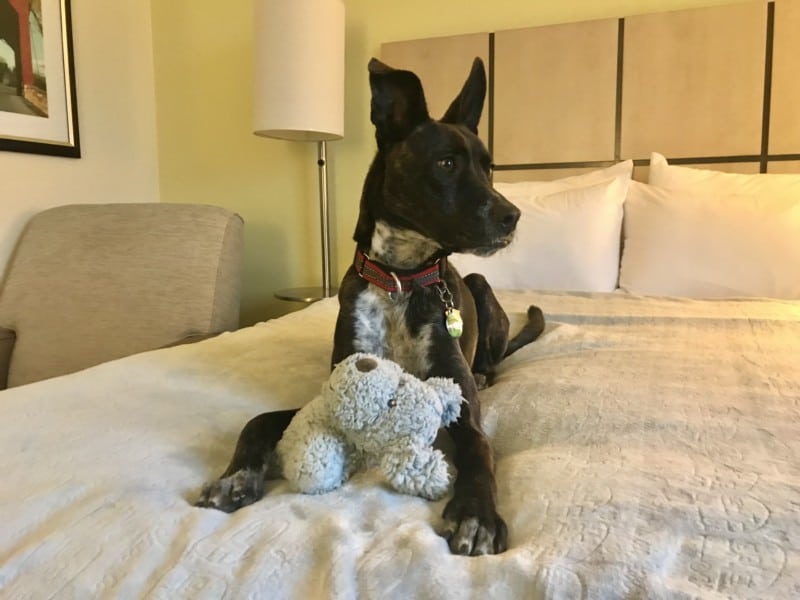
(207, 153)
(112, 49)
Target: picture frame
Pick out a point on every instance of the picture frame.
(38, 104)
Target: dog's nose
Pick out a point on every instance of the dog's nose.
(509, 220)
(365, 365)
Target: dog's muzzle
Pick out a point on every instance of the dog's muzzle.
(507, 217)
(504, 217)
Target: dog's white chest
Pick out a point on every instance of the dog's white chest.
(381, 328)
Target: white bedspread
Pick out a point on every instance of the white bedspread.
(645, 449)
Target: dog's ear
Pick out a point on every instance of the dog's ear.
(398, 102)
(467, 107)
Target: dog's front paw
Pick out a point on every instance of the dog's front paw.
(473, 527)
(232, 493)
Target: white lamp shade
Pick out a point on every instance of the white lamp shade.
(299, 69)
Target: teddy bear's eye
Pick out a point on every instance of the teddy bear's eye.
(392, 402)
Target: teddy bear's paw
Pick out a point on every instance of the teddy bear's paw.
(424, 474)
(437, 478)
(232, 493)
(434, 490)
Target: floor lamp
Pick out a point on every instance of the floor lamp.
(299, 93)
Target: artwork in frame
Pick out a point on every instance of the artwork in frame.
(38, 109)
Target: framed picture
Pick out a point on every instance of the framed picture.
(38, 110)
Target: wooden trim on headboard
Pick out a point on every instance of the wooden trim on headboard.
(765, 114)
(618, 101)
(490, 92)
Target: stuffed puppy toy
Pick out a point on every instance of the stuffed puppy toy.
(371, 413)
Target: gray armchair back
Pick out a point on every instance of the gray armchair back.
(95, 282)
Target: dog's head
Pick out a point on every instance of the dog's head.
(432, 177)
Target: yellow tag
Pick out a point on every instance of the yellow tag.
(453, 322)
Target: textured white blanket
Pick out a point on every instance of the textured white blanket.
(646, 448)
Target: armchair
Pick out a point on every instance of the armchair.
(95, 282)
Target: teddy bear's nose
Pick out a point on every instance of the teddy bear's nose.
(365, 365)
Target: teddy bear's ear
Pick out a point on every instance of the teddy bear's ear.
(449, 393)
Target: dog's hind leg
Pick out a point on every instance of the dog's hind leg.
(492, 330)
(493, 344)
(242, 483)
(529, 332)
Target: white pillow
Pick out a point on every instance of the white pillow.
(525, 189)
(709, 246)
(703, 181)
(567, 240)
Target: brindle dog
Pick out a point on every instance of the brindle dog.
(427, 194)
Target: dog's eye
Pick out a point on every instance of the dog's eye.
(392, 402)
(447, 163)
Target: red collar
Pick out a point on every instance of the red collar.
(389, 281)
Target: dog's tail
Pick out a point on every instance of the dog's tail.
(529, 332)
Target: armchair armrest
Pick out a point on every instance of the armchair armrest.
(7, 339)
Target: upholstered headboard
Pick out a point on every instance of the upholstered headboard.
(714, 86)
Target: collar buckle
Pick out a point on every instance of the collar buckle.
(398, 287)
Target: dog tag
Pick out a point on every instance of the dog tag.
(453, 322)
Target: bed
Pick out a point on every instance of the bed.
(646, 447)
(647, 444)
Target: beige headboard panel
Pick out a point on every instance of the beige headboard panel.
(714, 87)
(784, 137)
(442, 64)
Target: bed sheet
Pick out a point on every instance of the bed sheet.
(645, 448)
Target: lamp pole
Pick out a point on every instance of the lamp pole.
(324, 217)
